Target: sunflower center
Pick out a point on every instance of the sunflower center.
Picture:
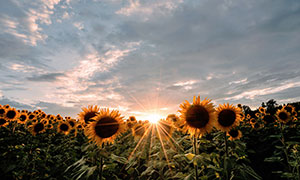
(269, 119)
(197, 116)
(72, 123)
(233, 133)
(31, 116)
(288, 109)
(283, 116)
(11, 114)
(226, 117)
(88, 116)
(38, 127)
(23, 117)
(64, 127)
(2, 121)
(2, 111)
(106, 127)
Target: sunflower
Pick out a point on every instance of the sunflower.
(228, 117)
(23, 117)
(132, 118)
(36, 128)
(2, 111)
(289, 108)
(174, 119)
(31, 116)
(72, 122)
(130, 124)
(197, 118)
(49, 126)
(79, 126)
(268, 118)
(7, 106)
(252, 121)
(3, 122)
(165, 128)
(44, 121)
(105, 127)
(11, 114)
(234, 134)
(64, 127)
(248, 116)
(283, 115)
(257, 115)
(139, 130)
(262, 110)
(87, 114)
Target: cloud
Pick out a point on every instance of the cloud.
(15, 104)
(49, 77)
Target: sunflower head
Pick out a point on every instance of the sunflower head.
(7, 106)
(262, 110)
(79, 126)
(283, 115)
(72, 123)
(31, 116)
(64, 127)
(2, 111)
(197, 118)
(289, 108)
(105, 127)
(248, 116)
(11, 114)
(138, 130)
(3, 122)
(37, 128)
(87, 114)
(234, 134)
(268, 118)
(132, 118)
(228, 117)
(23, 117)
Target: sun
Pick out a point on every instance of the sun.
(154, 118)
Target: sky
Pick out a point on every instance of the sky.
(147, 56)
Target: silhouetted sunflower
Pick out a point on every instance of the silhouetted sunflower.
(165, 128)
(174, 119)
(105, 127)
(234, 134)
(268, 118)
(11, 114)
(36, 128)
(283, 116)
(228, 117)
(197, 118)
(64, 127)
(3, 122)
(87, 114)
(23, 117)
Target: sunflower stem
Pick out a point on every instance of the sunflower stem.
(226, 156)
(101, 164)
(226, 144)
(285, 147)
(195, 152)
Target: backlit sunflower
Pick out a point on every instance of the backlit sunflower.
(79, 126)
(283, 116)
(268, 118)
(11, 114)
(139, 130)
(132, 118)
(23, 117)
(105, 127)
(7, 106)
(165, 128)
(174, 119)
(31, 116)
(3, 122)
(87, 114)
(36, 128)
(228, 117)
(197, 118)
(234, 134)
(130, 124)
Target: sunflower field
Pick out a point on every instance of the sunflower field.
(201, 141)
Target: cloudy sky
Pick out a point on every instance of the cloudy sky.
(141, 56)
